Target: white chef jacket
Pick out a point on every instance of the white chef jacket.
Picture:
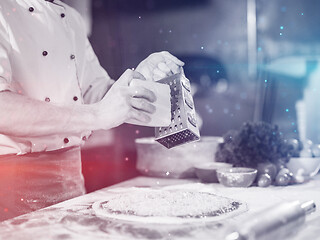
(45, 55)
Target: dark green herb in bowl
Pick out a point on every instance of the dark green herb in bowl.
(254, 143)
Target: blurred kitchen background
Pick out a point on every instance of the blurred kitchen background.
(248, 60)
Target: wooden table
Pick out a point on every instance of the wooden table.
(75, 219)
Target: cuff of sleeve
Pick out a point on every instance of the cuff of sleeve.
(5, 87)
(98, 90)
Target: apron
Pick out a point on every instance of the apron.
(37, 180)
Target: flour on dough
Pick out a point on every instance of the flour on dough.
(167, 206)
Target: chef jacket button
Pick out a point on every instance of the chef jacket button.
(47, 99)
(62, 15)
(84, 138)
(31, 9)
(66, 140)
(75, 98)
(72, 56)
(44, 53)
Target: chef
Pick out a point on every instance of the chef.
(53, 93)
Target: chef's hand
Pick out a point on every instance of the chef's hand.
(125, 103)
(159, 65)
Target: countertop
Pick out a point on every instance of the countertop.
(75, 218)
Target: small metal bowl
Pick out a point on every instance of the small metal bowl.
(237, 177)
(207, 171)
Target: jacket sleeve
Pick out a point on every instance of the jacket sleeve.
(5, 48)
(97, 81)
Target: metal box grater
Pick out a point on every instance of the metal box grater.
(183, 127)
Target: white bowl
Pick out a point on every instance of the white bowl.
(178, 162)
(304, 168)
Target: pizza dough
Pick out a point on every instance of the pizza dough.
(169, 206)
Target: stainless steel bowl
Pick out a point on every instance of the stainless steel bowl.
(178, 162)
(237, 177)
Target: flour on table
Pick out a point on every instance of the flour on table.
(167, 206)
